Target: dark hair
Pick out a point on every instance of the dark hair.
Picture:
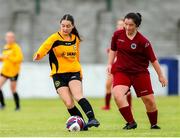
(71, 19)
(136, 17)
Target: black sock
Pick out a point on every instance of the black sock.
(16, 99)
(2, 98)
(75, 111)
(85, 105)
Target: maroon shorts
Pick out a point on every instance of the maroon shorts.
(141, 82)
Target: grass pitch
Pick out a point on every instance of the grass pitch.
(47, 117)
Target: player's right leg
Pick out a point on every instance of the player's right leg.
(67, 99)
(121, 84)
(108, 92)
(61, 85)
(2, 81)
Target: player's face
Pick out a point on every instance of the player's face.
(130, 26)
(120, 25)
(66, 27)
(10, 38)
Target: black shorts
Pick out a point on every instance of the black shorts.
(15, 78)
(63, 79)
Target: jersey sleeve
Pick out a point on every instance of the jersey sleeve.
(45, 46)
(16, 56)
(113, 42)
(149, 51)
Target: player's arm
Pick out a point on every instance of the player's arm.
(3, 57)
(111, 57)
(112, 53)
(17, 56)
(158, 70)
(44, 48)
(151, 56)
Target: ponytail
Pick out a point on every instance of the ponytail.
(76, 33)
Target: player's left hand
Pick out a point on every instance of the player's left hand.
(163, 81)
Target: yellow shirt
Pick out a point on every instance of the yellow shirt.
(11, 64)
(63, 55)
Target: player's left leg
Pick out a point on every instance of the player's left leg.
(151, 109)
(143, 88)
(108, 92)
(76, 90)
(13, 86)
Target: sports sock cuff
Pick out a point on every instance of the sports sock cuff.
(127, 114)
(75, 112)
(153, 117)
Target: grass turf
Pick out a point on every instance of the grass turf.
(47, 117)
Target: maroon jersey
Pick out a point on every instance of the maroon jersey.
(133, 56)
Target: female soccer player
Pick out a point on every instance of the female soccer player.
(134, 52)
(119, 26)
(63, 49)
(12, 58)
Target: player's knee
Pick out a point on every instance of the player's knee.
(13, 89)
(69, 104)
(117, 94)
(1, 84)
(150, 104)
(119, 98)
(108, 86)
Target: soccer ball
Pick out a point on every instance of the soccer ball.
(75, 123)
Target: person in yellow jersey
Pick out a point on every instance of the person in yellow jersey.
(63, 50)
(11, 59)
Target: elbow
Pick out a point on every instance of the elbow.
(154, 61)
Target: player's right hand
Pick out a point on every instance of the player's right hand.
(108, 50)
(36, 57)
(109, 66)
(3, 57)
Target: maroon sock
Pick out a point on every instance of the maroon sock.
(152, 117)
(107, 99)
(129, 99)
(127, 114)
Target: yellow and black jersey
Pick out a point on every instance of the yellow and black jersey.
(63, 55)
(12, 62)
